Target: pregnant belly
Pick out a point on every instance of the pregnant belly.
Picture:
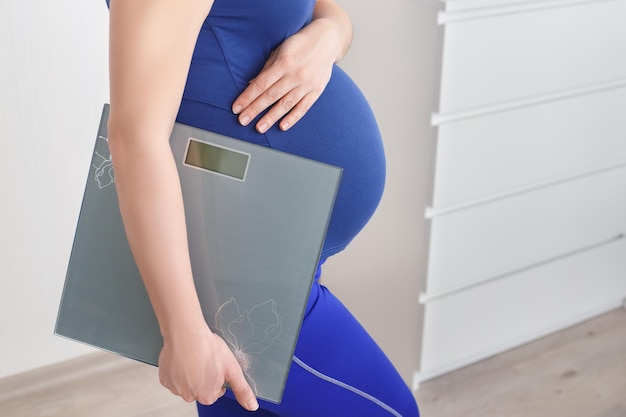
(339, 129)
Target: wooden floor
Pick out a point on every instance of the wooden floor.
(99, 385)
(579, 372)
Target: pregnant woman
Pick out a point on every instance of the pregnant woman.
(262, 71)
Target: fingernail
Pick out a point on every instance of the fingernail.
(262, 127)
(244, 120)
(253, 405)
(284, 126)
(237, 109)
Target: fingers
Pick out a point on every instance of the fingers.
(280, 97)
(298, 111)
(288, 108)
(287, 96)
(204, 394)
(210, 398)
(235, 379)
(261, 93)
(243, 393)
(198, 368)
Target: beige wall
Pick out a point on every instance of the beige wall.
(380, 275)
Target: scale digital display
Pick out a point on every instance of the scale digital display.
(217, 159)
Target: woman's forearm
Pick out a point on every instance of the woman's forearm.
(152, 209)
(339, 21)
(151, 44)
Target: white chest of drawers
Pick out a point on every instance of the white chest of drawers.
(528, 213)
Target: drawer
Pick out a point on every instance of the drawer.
(514, 56)
(483, 242)
(472, 325)
(482, 156)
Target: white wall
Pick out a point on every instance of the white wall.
(54, 81)
(54, 72)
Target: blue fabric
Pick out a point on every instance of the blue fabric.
(338, 370)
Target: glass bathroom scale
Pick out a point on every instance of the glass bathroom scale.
(256, 220)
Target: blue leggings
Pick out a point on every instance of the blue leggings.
(337, 371)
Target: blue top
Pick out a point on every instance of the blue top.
(234, 43)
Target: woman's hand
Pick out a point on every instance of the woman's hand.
(297, 72)
(197, 364)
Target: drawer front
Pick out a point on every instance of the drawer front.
(472, 325)
(480, 243)
(515, 56)
(482, 156)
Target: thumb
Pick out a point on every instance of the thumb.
(243, 393)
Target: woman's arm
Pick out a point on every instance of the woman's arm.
(151, 44)
(338, 20)
(297, 72)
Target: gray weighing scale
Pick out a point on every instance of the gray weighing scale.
(256, 218)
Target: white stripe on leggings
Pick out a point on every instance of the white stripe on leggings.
(346, 386)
